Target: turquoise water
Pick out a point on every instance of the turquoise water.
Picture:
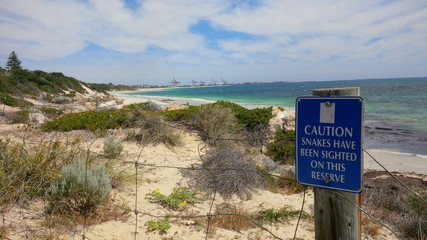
(401, 101)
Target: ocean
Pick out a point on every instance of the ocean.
(397, 102)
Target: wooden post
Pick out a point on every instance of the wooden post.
(335, 217)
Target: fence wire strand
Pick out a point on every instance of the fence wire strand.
(209, 215)
(395, 178)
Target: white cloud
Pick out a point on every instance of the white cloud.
(285, 32)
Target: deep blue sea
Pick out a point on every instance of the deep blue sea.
(401, 102)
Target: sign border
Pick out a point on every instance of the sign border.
(362, 116)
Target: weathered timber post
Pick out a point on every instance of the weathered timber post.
(335, 217)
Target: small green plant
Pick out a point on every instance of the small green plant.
(273, 216)
(417, 226)
(161, 226)
(79, 190)
(416, 204)
(112, 147)
(179, 198)
(282, 148)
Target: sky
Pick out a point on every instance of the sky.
(137, 42)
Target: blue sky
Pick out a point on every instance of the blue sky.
(152, 41)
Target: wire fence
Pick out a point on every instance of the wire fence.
(25, 228)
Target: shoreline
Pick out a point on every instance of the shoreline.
(174, 100)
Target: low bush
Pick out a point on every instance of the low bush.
(79, 189)
(21, 116)
(415, 225)
(214, 121)
(228, 171)
(179, 198)
(112, 147)
(150, 127)
(282, 148)
(8, 100)
(51, 112)
(145, 106)
(61, 100)
(93, 120)
(249, 118)
(181, 114)
(13, 101)
(406, 212)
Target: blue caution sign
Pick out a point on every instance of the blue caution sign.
(329, 132)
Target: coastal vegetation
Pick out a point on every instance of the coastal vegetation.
(96, 121)
(282, 148)
(103, 87)
(79, 164)
(36, 83)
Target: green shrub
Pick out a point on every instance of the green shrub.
(181, 114)
(179, 198)
(92, 120)
(282, 148)
(79, 190)
(8, 100)
(13, 102)
(214, 121)
(112, 147)
(249, 118)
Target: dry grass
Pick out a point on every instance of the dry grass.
(214, 121)
(107, 211)
(370, 227)
(151, 128)
(232, 218)
(5, 230)
(395, 206)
